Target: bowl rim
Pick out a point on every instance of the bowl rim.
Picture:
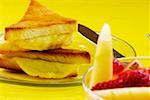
(127, 43)
(96, 96)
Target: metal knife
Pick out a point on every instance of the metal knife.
(93, 36)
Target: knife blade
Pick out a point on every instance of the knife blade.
(93, 36)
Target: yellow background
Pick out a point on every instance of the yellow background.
(129, 20)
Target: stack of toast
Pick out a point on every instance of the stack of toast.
(34, 44)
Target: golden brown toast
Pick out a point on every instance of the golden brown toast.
(39, 21)
(57, 55)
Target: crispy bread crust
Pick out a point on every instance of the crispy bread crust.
(36, 16)
(57, 55)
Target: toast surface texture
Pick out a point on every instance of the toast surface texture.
(39, 21)
(57, 55)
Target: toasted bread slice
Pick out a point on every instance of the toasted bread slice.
(39, 21)
(8, 63)
(57, 55)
